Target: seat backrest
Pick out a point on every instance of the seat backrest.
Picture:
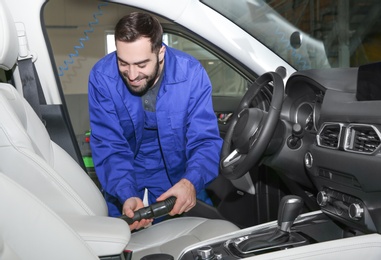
(8, 52)
(28, 155)
(30, 230)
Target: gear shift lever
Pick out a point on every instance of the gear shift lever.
(289, 208)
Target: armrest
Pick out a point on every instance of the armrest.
(105, 235)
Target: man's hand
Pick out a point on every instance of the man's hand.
(185, 193)
(131, 205)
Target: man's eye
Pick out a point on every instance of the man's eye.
(141, 66)
(123, 64)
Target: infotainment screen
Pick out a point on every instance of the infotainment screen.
(369, 82)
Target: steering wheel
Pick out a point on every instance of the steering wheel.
(251, 129)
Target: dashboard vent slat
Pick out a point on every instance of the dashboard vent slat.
(362, 139)
(329, 135)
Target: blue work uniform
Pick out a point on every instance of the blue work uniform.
(149, 164)
(187, 134)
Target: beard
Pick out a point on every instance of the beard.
(150, 81)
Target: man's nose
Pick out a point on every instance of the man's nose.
(133, 73)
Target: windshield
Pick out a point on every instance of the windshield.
(310, 34)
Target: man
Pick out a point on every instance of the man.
(152, 122)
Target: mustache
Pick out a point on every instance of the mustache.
(139, 77)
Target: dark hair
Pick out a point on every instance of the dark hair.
(137, 25)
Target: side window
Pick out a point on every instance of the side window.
(226, 82)
(228, 85)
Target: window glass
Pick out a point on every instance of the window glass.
(310, 34)
(110, 42)
(225, 80)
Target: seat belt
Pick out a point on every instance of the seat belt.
(31, 84)
(59, 129)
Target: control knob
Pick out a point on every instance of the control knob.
(205, 253)
(322, 198)
(355, 211)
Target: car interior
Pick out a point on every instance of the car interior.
(50, 174)
(324, 123)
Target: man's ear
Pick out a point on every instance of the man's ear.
(161, 53)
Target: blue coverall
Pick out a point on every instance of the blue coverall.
(187, 130)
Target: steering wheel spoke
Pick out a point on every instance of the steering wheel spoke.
(232, 158)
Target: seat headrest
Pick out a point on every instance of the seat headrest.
(8, 39)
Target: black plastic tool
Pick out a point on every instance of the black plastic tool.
(155, 210)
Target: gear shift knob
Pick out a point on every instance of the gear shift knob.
(289, 208)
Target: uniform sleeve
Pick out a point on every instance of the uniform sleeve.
(112, 155)
(204, 143)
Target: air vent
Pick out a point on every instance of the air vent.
(329, 135)
(360, 138)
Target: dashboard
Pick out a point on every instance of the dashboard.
(331, 150)
(341, 142)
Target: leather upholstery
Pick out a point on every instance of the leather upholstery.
(33, 160)
(8, 45)
(175, 234)
(26, 224)
(29, 157)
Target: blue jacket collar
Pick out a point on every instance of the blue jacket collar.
(173, 72)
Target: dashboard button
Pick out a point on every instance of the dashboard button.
(205, 253)
(322, 198)
(355, 211)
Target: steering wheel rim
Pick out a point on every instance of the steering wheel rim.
(251, 129)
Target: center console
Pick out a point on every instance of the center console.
(291, 230)
(232, 248)
(314, 235)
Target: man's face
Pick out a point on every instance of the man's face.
(138, 65)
